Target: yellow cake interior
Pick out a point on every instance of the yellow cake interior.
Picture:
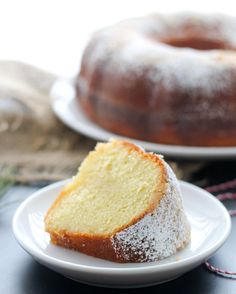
(115, 184)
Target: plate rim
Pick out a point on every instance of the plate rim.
(99, 133)
(40, 255)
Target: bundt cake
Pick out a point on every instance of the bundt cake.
(168, 79)
(124, 205)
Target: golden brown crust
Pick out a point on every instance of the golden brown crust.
(220, 133)
(91, 245)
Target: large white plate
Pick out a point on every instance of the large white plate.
(210, 226)
(68, 110)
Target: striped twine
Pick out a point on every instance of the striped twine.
(223, 197)
(222, 186)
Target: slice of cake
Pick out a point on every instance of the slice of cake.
(123, 205)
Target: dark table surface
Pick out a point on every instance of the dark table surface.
(20, 274)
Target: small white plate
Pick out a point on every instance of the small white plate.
(67, 109)
(210, 226)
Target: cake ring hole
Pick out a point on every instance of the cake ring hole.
(196, 43)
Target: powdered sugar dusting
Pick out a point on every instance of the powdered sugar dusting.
(135, 41)
(131, 50)
(160, 233)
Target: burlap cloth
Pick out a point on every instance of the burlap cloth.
(34, 145)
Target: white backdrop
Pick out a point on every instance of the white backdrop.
(51, 34)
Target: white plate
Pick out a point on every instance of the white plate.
(68, 110)
(210, 226)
